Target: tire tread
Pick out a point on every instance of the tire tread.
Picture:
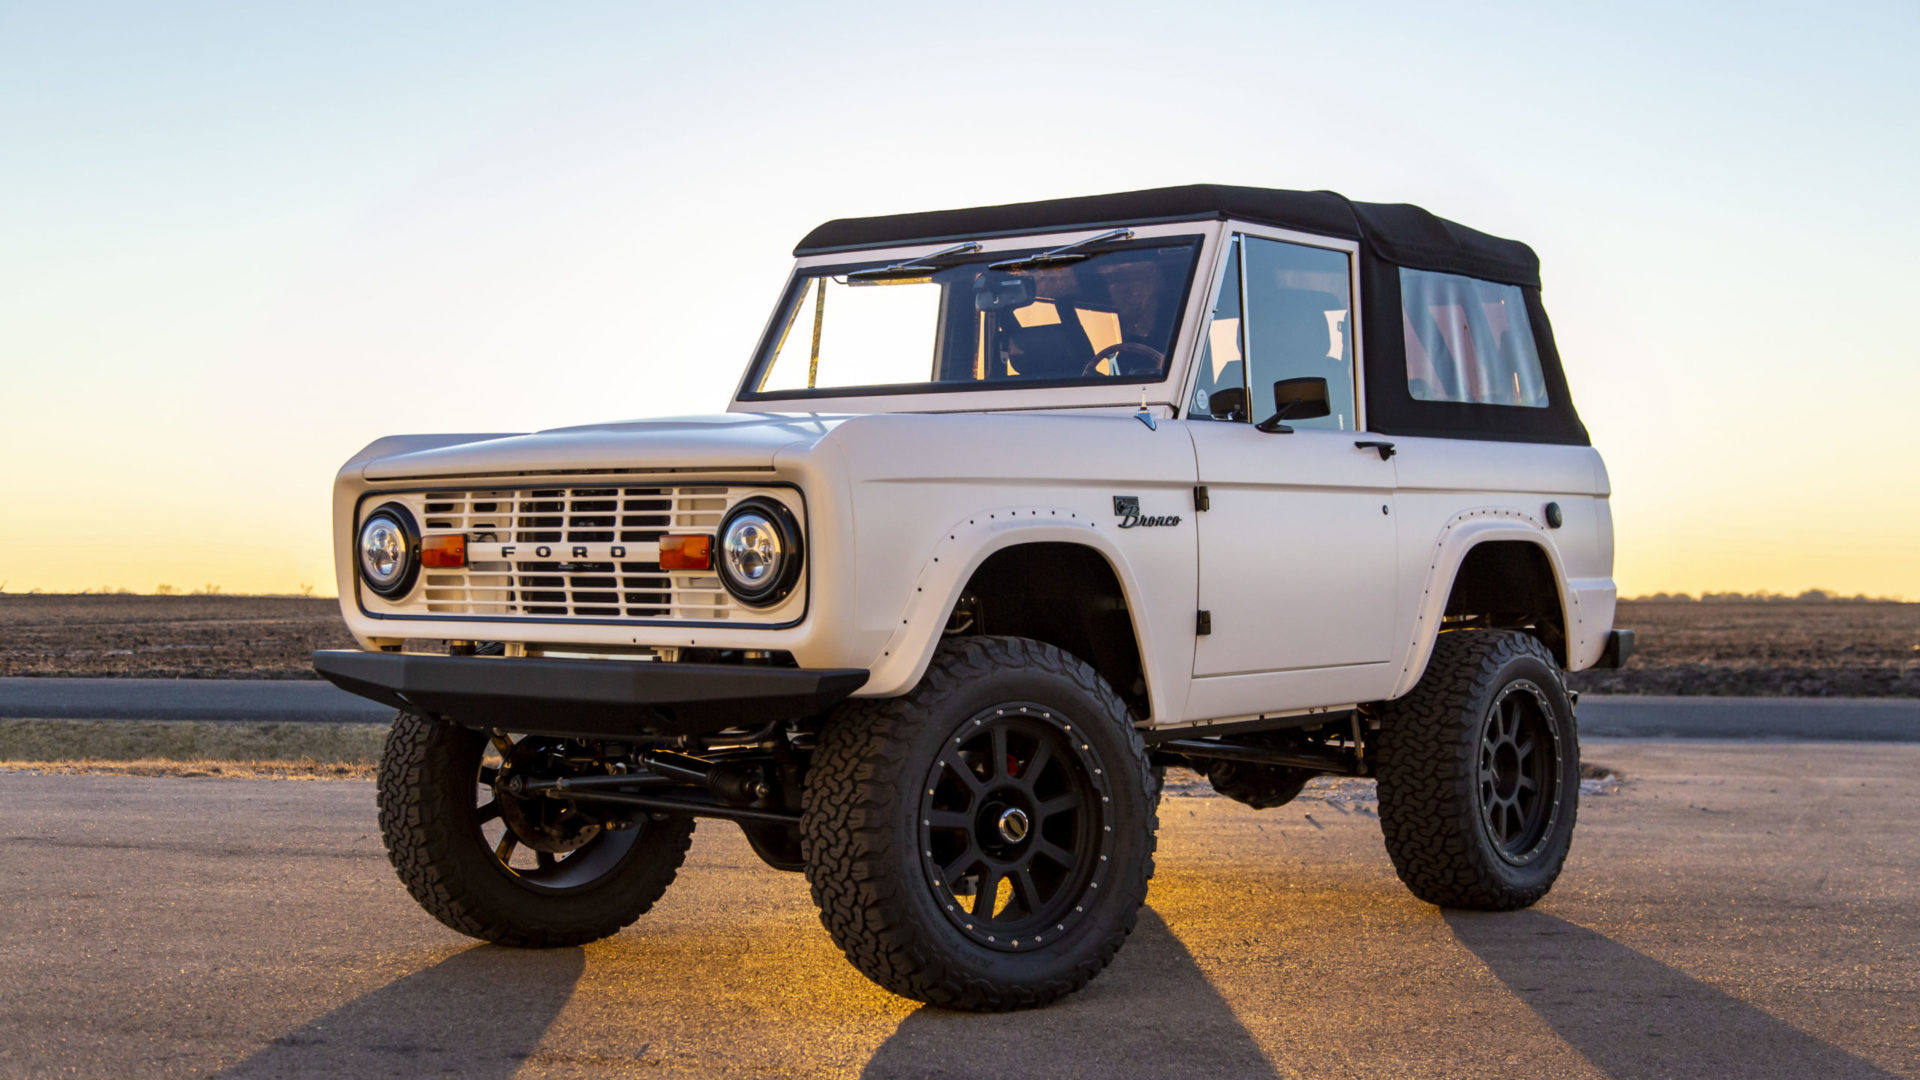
(1427, 769)
(850, 810)
(416, 784)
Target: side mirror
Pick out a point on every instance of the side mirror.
(1228, 403)
(1297, 399)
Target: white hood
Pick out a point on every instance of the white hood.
(724, 441)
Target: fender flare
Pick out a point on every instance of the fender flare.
(967, 544)
(1462, 533)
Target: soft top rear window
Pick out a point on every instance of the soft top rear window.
(1469, 341)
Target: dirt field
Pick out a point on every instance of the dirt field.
(1777, 648)
(167, 637)
(1833, 648)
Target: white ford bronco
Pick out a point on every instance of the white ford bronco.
(1014, 507)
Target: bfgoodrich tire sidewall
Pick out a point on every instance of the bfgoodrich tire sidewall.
(427, 788)
(1540, 871)
(862, 835)
(1126, 814)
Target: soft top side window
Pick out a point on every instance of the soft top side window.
(1298, 304)
(1469, 341)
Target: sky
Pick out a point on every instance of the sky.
(240, 241)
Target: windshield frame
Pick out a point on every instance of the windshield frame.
(970, 396)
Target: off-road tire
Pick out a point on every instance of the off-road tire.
(426, 795)
(860, 834)
(1430, 773)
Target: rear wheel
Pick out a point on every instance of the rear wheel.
(985, 841)
(530, 871)
(1479, 773)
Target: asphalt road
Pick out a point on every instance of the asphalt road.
(1840, 719)
(282, 701)
(1734, 910)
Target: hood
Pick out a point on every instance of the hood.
(724, 441)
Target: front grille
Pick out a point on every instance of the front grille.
(611, 582)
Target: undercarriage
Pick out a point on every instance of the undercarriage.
(571, 747)
(983, 842)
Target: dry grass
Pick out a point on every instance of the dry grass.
(226, 770)
(192, 743)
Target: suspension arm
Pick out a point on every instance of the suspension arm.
(1326, 761)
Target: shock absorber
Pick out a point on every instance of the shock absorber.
(740, 786)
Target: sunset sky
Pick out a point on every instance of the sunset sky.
(238, 242)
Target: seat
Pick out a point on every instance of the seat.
(1059, 350)
(1231, 375)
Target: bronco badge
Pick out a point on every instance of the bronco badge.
(1128, 508)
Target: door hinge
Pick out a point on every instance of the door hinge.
(1203, 624)
(1200, 499)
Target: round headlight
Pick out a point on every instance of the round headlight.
(389, 550)
(759, 552)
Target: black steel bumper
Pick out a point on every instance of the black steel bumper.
(1619, 647)
(588, 698)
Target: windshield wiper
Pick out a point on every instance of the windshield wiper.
(908, 267)
(1062, 254)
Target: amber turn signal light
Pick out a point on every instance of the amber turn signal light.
(443, 552)
(685, 553)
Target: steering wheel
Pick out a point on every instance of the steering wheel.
(1155, 360)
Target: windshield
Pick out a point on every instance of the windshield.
(1102, 313)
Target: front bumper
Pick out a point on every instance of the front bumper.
(588, 698)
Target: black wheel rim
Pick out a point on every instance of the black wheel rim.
(1520, 764)
(545, 845)
(1016, 826)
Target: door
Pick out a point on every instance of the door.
(1298, 545)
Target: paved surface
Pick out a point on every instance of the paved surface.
(1876, 719)
(1735, 910)
(1843, 719)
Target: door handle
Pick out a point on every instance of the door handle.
(1385, 448)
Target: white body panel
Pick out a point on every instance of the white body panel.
(1291, 550)
(1455, 493)
(1318, 597)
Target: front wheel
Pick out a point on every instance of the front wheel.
(532, 871)
(985, 841)
(1479, 772)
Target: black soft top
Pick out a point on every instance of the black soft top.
(1399, 233)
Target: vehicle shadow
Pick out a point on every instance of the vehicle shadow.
(479, 1013)
(1153, 1013)
(1633, 1016)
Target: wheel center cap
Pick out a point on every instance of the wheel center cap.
(1013, 826)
